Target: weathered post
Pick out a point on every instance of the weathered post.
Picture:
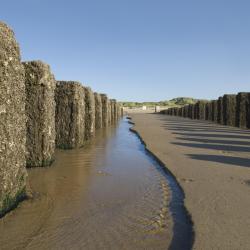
(214, 111)
(89, 113)
(229, 110)
(109, 112)
(40, 109)
(196, 110)
(12, 122)
(242, 110)
(105, 104)
(201, 110)
(70, 114)
(119, 107)
(248, 111)
(113, 110)
(98, 111)
(122, 111)
(208, 112)
(220, 110)
(118, 110)
(185, 113)
(192, 111)
(180, 111)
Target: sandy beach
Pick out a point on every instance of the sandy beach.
(212, 165)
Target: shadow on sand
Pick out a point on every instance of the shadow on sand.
(225, 141)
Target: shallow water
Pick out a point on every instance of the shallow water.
(107, 195)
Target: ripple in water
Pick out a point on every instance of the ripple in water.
(107, 195)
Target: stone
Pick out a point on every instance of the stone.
(40, 109)
(70, 114)
(13, 172)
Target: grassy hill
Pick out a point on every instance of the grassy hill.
(176, 102)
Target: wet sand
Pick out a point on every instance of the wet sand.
(107, 195)
(212, 165)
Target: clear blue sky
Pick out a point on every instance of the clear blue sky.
(139, 49)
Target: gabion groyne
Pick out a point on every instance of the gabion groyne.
(230, 110)
(39, 114)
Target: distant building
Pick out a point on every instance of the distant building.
(157, 109)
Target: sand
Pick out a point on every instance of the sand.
(211, 162)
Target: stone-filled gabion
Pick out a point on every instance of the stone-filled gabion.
(40, 109)
(104, 99)
(70, 114)
(229, 110)
(12, 122)
(89, 113)
(98, 111)
(242, 110)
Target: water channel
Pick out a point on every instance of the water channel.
(110, 194)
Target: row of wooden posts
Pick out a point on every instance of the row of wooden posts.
(39, 114)
(61, 114)
(231, 110)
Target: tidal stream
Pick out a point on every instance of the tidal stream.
(110, 194)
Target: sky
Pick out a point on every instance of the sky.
(138, 50)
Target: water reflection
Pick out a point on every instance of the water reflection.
(107, 195)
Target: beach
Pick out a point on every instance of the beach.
(212, 165)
